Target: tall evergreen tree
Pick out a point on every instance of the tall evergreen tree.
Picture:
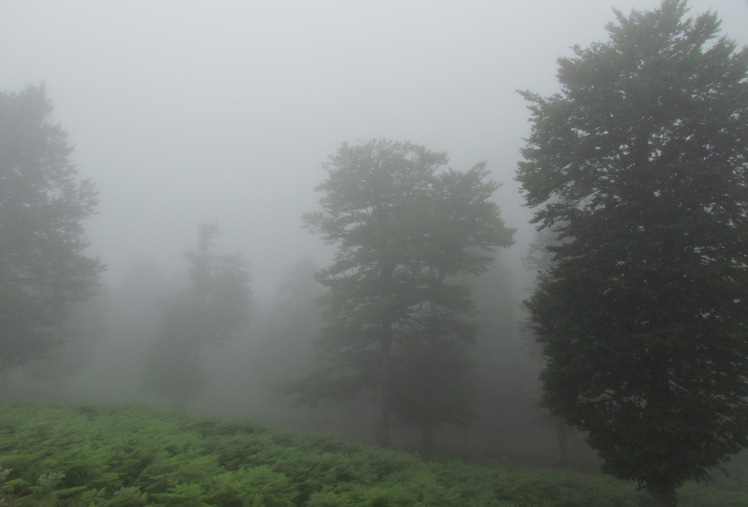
(639, 165)
(408, 231)
(43, 267)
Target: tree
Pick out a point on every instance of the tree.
(281, 347)
(539, 259)
(431, 384)
(43, 268)
(408, 231)
(639, 166)
(214, 306)
(291, 318)
(86, 328)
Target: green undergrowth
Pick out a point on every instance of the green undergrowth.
(136, 456)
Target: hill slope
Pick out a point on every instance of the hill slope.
(129, 456)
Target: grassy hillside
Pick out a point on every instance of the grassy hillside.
(130, 456)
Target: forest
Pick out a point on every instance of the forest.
(615, 342)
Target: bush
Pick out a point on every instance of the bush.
(131, 456)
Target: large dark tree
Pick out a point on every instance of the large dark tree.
(408, 232)
(43, 268)
(639, 165)
(214, 306)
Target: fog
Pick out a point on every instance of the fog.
(184, 112)
(192, 111)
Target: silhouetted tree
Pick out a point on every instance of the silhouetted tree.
(208, 312)
(639, 165)
(408, 230)
(43, 269)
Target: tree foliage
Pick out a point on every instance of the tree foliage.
(43, 267)
(638, 166)
(87, 327)
(408, 232)
(208, 312)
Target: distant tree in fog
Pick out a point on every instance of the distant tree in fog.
(43, 269)
(285, 345)
(208, 312)
(296, 295)
(639, 165)
(408, 232)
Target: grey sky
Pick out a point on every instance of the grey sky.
(187, 111)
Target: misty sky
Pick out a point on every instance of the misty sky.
(190, 111)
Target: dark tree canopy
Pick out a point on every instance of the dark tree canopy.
(408, 232)
(214, 306)
(43, 268)
(639, 167)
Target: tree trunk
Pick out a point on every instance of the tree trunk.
(383, 437)
(663, 493)
(383, 434)
(562, 432)
(428, 444)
